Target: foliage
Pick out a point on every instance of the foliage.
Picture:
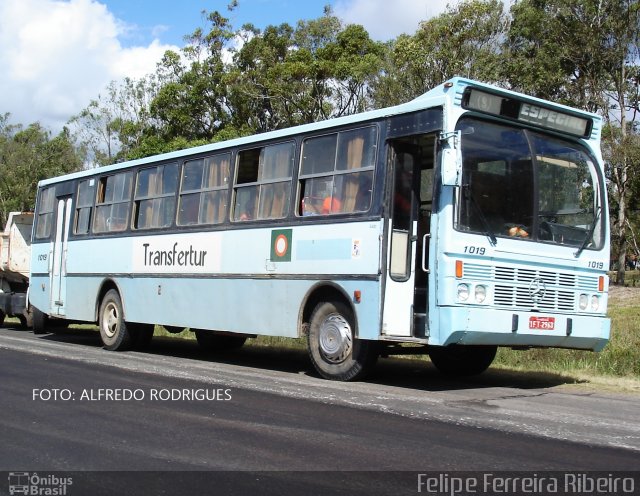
(28, 155)
(114, 125)
(464, 41)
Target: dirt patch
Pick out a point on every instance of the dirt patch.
(624, 296)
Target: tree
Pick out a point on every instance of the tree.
(192, 100)
(285, 76)
(28, 155)
(464, 41)
(112, 127)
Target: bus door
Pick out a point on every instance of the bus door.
(59, 256)
(411, 162)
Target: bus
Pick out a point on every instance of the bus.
(470, 218)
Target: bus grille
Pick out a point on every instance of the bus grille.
(512, 286)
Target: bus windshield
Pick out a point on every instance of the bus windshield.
(525, 185)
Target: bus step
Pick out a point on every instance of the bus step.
(420, 325)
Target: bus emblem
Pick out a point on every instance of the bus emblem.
(281, 245)
(537, 290)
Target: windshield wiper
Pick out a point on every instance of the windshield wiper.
(589, 236)
(483, 220)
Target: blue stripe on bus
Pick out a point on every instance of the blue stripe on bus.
(324, 249)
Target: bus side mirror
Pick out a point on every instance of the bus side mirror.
(451, 159)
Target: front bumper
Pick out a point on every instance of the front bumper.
(484, 326)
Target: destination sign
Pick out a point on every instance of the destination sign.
(515, 109)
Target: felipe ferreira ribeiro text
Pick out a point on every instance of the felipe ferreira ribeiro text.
(127, 394)
(489, 483)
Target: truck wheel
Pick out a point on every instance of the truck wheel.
(40, 321)
(211, 341)
(460, 360)
(2, 314)
(334, 352)
(114, 332)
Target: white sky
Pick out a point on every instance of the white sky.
(58, 55)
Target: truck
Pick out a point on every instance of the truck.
(15, 259)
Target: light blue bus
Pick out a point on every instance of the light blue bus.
(469, 218)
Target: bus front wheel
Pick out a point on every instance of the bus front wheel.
(115, 334)
(333, 350)
(460, 360)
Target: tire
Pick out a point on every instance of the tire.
(211, 341)
(40, 321)
(141, 335)
(26, 321)
(334, 352)
(459, 360)
(2, 315)
(114, 332)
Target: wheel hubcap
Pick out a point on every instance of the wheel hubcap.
(335, 338)
(110, 320)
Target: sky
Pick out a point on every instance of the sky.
(58, 55)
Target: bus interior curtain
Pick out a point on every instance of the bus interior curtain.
(355, 150)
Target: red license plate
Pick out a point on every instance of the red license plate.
(542, 323)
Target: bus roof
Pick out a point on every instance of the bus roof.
(450, 90)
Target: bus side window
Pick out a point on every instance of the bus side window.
(263, 183)
(336, 173)
(84, 206)
(155, 197)
(112, 203)
(203, 190)
(45, 213)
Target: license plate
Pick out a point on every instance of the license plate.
(542, 323)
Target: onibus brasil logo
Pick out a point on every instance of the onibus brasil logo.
(36, 485)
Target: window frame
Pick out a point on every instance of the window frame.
(203, 190)
(338, 171)
(101, 189)
(79, 207)
(260, 184)
(45, 214)
(157, 199)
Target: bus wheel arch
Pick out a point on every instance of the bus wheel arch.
(332, 343)
(318, 293)
(107, 285)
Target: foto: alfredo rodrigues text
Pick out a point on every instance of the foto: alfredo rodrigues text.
(132, 394)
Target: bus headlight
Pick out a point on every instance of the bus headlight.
(595, 302)
(463, 292)
(480, 293)
(583, 302)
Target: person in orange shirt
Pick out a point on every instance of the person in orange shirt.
(331, 205)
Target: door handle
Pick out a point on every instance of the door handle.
(425, 238)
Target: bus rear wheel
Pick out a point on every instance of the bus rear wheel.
(40, 321)
(459, 360)
(211, 341)
(114, 332)
(333, 350)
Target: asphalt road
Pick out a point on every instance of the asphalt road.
(176, 420)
